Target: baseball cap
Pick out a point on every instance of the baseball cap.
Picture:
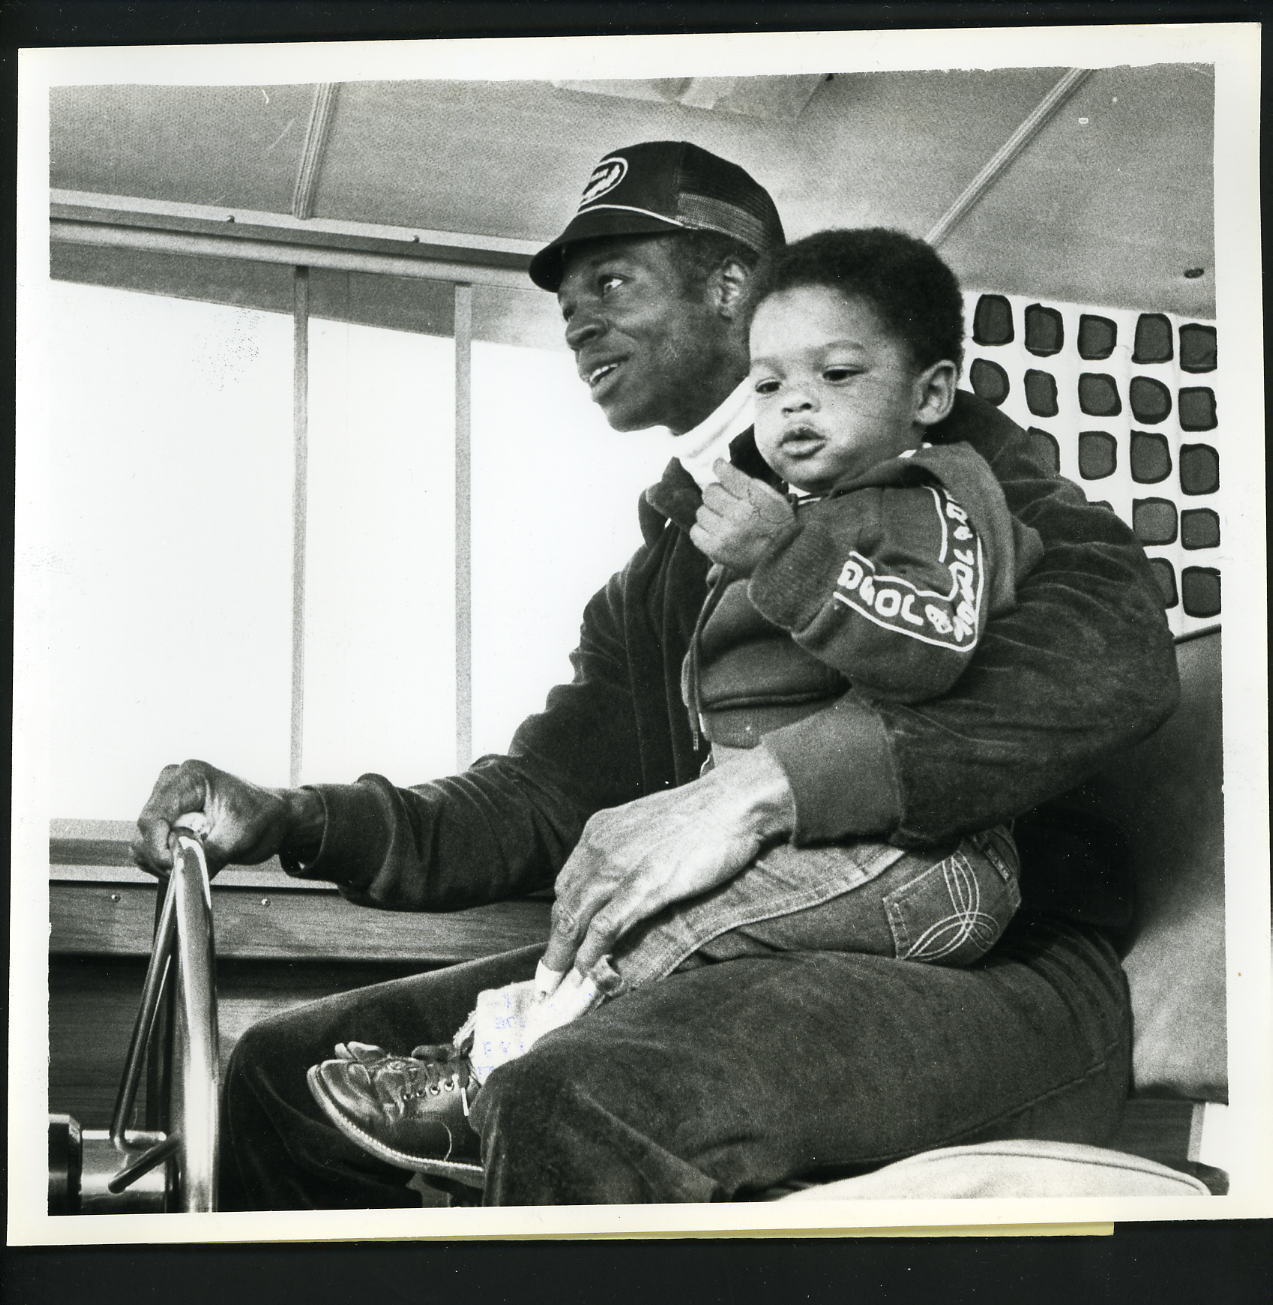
(660, 186)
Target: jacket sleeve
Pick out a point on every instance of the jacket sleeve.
(1081, 668)
(505, 826)
(889, 585)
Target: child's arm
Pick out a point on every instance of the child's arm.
(889, 585)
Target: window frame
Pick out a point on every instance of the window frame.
(97, 850)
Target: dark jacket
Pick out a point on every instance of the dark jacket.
(1027, 721)
(883, 584)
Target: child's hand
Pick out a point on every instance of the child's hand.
(738, 519)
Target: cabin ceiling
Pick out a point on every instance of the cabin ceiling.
(1109, 204)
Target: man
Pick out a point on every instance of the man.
(722, 1079)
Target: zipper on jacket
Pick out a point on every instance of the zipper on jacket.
(718, 579)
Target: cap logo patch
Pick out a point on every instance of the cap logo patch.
(605, 177)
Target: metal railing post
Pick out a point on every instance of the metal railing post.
(184, 949)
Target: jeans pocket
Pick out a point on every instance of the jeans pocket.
(953, 912)
(999, 849)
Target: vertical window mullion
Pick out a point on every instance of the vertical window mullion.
(300, 503)
(463, 334)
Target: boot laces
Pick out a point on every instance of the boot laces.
(428, 1078)
(432, 1078)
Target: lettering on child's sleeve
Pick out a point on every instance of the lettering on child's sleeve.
(948, 617)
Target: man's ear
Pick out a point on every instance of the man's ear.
(935, 392)
(727, 287)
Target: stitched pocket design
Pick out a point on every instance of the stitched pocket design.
(953, 912)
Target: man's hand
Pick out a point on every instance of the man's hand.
(246, 823)
(634, 860)
(738, 519)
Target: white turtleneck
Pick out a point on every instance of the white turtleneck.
(699, 447)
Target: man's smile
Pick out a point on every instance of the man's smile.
(594, 374)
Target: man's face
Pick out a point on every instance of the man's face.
(651, 352)
(835, 392)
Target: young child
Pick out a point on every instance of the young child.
(876, 576)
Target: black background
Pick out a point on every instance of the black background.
(1212, 1264)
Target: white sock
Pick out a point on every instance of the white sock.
(508, 1021)
(574, 996)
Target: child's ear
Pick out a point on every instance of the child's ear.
(728, 287)
(935, 392)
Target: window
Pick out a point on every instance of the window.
(172, 600)
(171, 445)
(380, 565)
(554, 513)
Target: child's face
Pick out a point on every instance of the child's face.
(835, 392)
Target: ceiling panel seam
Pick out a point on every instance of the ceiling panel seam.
(1003, 158)
(314, 150)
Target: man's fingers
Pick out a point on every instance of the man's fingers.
(246, 823)
(572, 912)
(150, 852)
(547, 979)
(175, 792)
(599, 891)
(607, 928)
(150, 847)
(559, 955)
(638, 898)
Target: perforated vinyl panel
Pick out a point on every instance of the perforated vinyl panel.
(1125, 404)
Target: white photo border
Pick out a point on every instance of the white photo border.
(1234, 51)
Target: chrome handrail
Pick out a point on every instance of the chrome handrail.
(143, 1026)
(196, 1024)
(184, 930)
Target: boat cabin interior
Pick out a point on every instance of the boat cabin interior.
(295, 326)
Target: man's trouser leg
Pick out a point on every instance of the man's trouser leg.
(279, 1151)
(726, 1078)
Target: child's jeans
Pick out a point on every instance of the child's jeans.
(945, 907)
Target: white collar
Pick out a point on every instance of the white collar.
(699, 447)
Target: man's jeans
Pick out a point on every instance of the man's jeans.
(717, 1081)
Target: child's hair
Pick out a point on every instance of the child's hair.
(904, 280)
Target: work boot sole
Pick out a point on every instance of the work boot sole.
(467, 1172)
